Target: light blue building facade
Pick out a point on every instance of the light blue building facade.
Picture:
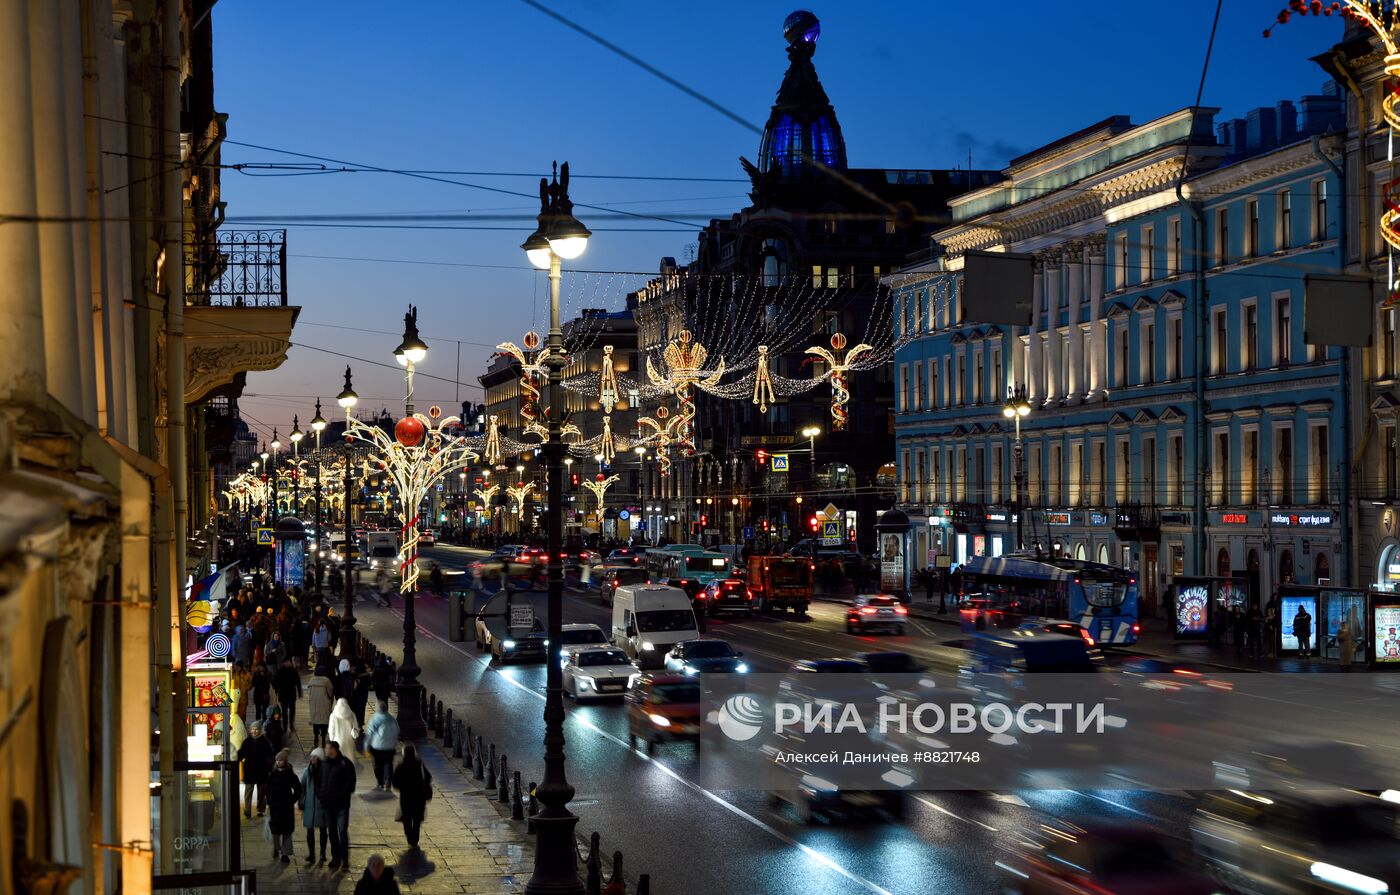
(1179, 424)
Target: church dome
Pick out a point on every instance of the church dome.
(802, 126)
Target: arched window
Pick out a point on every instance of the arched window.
(1103, 554)
(1285, 567)
(1079, 552)
(774, 262)
(1322, 569)
(1222, 563)
(1252, 561)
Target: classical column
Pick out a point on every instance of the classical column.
(1033, 388)
(74, 83)
(1074, 285)
(1054, 387)
(1097, 332)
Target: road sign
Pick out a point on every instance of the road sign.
(780, 462)
(640, 525)
(829, 511)
(624, 515)
(264, 537)
(831, 530)
(522, 616)
(748, 531)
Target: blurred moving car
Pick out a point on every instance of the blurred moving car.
(1281, 843)
(828, 666)
(427, 537)
(892, 662)
(1021, 650)
(627, 554)
(705, 656)
(879, 611)
(663, 707)
(727, 595)
(1101, 859)
(591, 673)
(1069, 629)
(577, 636)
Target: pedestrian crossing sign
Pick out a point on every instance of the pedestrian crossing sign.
(780, 462)
(264, 537)
(831, 530)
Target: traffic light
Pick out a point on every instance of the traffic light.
(761, 456)
(573, 480)
(815, 523)
(704, 520)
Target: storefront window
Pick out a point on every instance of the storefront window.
(1388, 575)
(1285, 567)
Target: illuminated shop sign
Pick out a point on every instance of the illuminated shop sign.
(1301, 520)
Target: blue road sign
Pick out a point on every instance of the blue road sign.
(748, 531)
(265, 537)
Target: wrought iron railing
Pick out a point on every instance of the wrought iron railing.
(237, 268)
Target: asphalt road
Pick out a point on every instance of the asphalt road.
(696, 840)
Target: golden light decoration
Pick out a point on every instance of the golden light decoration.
(599, 489)
(763, 382)
(532, 370)
(486, 494)
(666, 428)
(838, 365)
(684, 359)
(518, 493)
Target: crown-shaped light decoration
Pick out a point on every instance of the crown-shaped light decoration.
(684, 359)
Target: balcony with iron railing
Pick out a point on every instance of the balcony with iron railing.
(237, 269)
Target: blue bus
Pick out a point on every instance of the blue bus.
(1003, 591)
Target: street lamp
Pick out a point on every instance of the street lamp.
(276, 445)
(264, 455)
(810, 433)
(318, 425)
(411, 351)
(296, 437)
(1017, 408)
(558, 237)
(347, 399)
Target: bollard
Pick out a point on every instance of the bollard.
(503, 796)
(531, 809)
(467, 749)
(457, 741)
(593, 881)
(491, 771)
(423, 703)
(517, 807)
(438, 712)
(616, 885)
(644, 884)
(478, 770)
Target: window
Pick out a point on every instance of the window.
(816, 276)
(948, 384)
(875, 271)
(1221, 468)
(932, 384)
(998, 480)
(1283, 465)
(935, 485)
(829, 225)
(1035, 486)
(1174, 247)
(1149, 352)
(903, 386)
(1122, 473)
(977, 376)
(918, 392)
(1387, 346)
(1285, 219)
(1175, 366)
(907, 480)
(1251, 233)
(962, 377)
(1121, 260)
(1319, 213)
(1222, 237)
(1076, 474)
(1249, 470)
(1221, 356)
(1320, 468)
(1251, 336)
(1063, 387)
(1100, 473)
(998, 386)
(1388, 458)
(889, 226)
(833, 278)
(979, 472)
(1120, 364)
(1176, 482)
(1148, 256)
(1149, 469)
(964, 473)
(1056, 475)
(1283, 332)
(917, 481)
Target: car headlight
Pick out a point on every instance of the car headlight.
(689, 669)
(632, 680)
(741, 668)
(1349, 879)
(585, 683)
(660, 720)
(508, 644)
(648, 646)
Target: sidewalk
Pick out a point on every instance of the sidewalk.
(467, 846)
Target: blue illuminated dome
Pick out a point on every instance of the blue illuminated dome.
(802, 126)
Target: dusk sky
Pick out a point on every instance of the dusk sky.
(500, 88)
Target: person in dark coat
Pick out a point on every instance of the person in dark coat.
(313, 813)
(273, 729)
(378, 879)
(1302, 629)
(261, 686)
(255, 756)
(1237, 628)
(345, 681)
(414, 783)
(287, 682)
(359, 699)
(301, 640)
(283, 793)
(1254, 623)
(383, 679)
(336, 786)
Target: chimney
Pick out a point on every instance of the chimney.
(1287, 116)
(1262, 129)
(1239, 130)
(1322, 113)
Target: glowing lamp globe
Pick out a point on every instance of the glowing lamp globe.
(410, 431)
(801, 27)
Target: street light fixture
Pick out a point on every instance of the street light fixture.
(347, 399)
(1017, 407)
(296, 436)
(559, 236)
(411, 351)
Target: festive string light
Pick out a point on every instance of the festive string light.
(685, 369)
(600, 488)
(836, 369)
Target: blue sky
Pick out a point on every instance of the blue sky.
(496, 86)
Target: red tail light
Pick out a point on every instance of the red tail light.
(867, 610)
(1137, 629)
(1088, 638)
(901, 610)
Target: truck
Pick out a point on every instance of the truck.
(780, 582)
(382, 551)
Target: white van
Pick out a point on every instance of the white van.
(382, 549)
(648, 619)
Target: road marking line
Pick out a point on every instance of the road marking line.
(939, 808)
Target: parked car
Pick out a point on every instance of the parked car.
(705, 656)
(591, 673)
(877, 611)
(663, 707)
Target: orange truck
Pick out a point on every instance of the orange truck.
(780, 582)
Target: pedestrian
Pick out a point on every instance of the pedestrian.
(435, 579)
(320, 639)
(415, 785)
(345, 681)
(287, 682)
(359, 699)
(313, 813)
(261, 685)
(283, 793)
(1272, 629)
(381, 586)
(383, 679)
(378, 879)
(382, 738)
(301, 640)
(342, 727)
(320, 697)
(275, 650)
(255, 757)
(242, 646)
(1302, 630)
(274, 730)
(1346, 645)
(336, 786)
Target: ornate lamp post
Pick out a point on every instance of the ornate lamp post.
(347, 399)
(559, 237)
(296, 437)
(1017, 408)
(318, 425)
(266, 469)
(276, 467)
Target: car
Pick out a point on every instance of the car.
(891, 662)
(869, 611)
(1291, 843)
(611, 577)
(575, 637)
(703, 656)
(1101, 858)
(1022, 651)
(627, 554)
(531, 646)
(727, 595)
(427, 538)
(1069, 629)
(663, 707)
(828, 666)
(591, 673)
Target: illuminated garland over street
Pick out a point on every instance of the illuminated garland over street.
(685, 369)
(836, 369)
(599, 489)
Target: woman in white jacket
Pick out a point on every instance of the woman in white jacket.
(343, 729)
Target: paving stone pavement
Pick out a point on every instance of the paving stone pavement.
(467, 845)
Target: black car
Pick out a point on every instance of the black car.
(703, 656)
(528, 647)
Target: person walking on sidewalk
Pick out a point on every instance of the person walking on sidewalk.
(287, 683)
(255, 756)
(335, 788)
(1346, 645)
(415, 785)
(1271, 630)
(320, 697)
(383, 679)
(313, 814)
(1302, 629)
(283, 793)
(382, 738)
(274, 730)
(342, 727)
(378, 879)
(261, 685)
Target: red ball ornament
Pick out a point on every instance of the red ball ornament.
(598, 477)
(838, 341)
(409, 431)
